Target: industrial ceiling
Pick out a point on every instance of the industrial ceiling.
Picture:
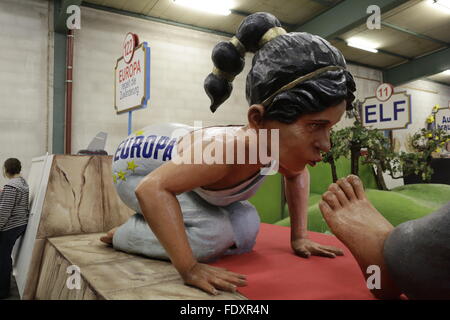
(413, 40)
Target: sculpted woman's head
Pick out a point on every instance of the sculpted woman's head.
(298, 84)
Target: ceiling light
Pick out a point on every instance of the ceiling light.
(443, 5)
(362, 44)
(222, 7)
(446, 72)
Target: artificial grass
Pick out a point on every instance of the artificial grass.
(321, 176)
(434, 195)
(267, 199)
(397, 206)
(315, 220)
(269, 202)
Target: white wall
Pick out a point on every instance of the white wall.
(180, 61)
(24, 64)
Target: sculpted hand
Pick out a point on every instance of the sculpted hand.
(305, 247)
(209, 278)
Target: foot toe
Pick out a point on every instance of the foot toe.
(357, 186)
(106, 239)
(347, 188)
(340, 195)
(331, 199)
(325, 209)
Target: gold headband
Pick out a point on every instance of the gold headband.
(239, 46)
(223, 74)
(270, 34)
(301, 79)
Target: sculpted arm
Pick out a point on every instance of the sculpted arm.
(157, 198)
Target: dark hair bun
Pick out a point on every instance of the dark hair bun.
(217, 89)
(253, 27)
(230, 61)
(227, 58)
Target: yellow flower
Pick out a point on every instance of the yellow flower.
(429, 135)
(436, 108)
(438, 150)
(430, 119)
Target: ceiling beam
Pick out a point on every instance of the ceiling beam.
(150, 18)
(329, 3)
(175, 23)
(345, 16)
(418, 68)
(287, 26)
(415, 34)
(325, 3)
(61, 15)
(363, 65)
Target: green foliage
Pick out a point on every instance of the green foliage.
(349, 142)
(424, 143)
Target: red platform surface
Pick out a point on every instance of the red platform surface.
(274, 272)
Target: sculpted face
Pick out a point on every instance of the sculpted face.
(302, 141)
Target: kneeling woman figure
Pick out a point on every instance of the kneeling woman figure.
(191, 213)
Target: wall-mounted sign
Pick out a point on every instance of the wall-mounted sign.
(387, 110)
(132, 76)
(384, 91)
(442, 118)
(129, 44)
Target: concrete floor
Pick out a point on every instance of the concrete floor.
(14, 291)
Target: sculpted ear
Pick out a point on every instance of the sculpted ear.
(255, 116)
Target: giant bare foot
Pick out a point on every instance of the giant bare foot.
(108, 239)
(354, 221)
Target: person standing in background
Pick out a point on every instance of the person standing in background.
(14, 213)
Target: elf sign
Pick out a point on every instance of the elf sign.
(387, 110)
(132, 75)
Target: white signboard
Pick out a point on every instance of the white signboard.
(442, 118)
(392, 113)
(132, 79)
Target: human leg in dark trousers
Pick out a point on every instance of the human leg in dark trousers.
(413, 257)
(7, 240)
